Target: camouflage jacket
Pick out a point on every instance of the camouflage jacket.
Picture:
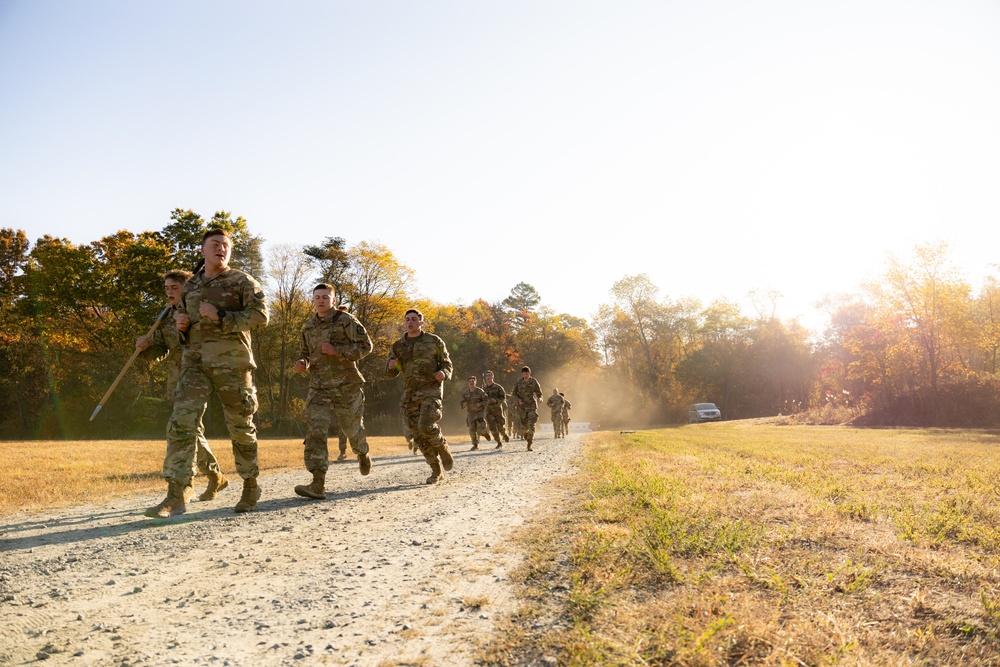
(418, 359)
(556, 403)
(526, 392)
(167, 345)
(566, 408)
(474, 400)
(497, 396)
(350, 339)
(226, 343)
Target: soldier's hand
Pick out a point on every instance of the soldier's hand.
(326, 347)
(143, 342)
(299, 367)
(439, 376)
(208, 310)
(182, 321)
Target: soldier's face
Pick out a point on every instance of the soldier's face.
(322, 301)
(488, 379)
(216, 250)
(526, 374)
(413, 324)
(472, 383)
(173, 290)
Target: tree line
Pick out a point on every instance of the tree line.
(915, 347)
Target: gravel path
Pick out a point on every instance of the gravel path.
(386, 571)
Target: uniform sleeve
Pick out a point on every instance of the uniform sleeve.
(393, 367)
(444, 361)
(158, 350)
(360, 345)
(303, 347)
(254, 314)
(538, 389)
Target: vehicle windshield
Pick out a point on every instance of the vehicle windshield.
(705, 406)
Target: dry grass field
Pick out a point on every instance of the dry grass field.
(47, 473)
(755, 543)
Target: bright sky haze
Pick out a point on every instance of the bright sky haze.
(719, 147)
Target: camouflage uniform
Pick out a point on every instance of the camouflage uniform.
(525, 392)
(419, 359)
(335, 384)
(217, 356)
(167, 345)
(474, 401)
(495, 419)
(555, 403)
(515, 418)
(565, 414)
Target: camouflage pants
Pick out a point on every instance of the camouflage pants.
(557, 423)
(347, 404)
(205, 457)
(422, 416)
(239, 403)
(477, 426)
(529, 416)
(496, 424)
(517, 422)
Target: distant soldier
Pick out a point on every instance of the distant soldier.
(474, 400)
(333, 341)
(495, 416)
(556, 405)
(514, 417)
(219, 307)
(165, 343)
(565, 415)
(526, 390)
(423, 360)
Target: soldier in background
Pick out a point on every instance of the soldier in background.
(165, 343)
(495, 416)
(526, 390)
(515, 417)
(474, 400)
(219, 307)
(565, 414)
(333, 341)
(556, 404)
(423, 360)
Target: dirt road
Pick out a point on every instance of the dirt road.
(386, 571)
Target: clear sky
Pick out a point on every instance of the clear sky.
(717, 146)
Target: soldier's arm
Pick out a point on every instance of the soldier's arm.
(360, 345)
(158, 350)
(392, 367)
(254, 314)
(304, 355)
(444, 361)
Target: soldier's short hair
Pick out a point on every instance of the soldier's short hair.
(177, 275)
(525, 369)
(415, 312)
(488, 373)
(215, 231)
(473, 377)
(323, 286)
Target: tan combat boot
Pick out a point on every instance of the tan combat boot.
(316, 490)
(364, 463)
(446, 461)
(174, 503)
(432, 461)
(251, 494)
(216, 482)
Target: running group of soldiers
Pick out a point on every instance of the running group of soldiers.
(488, 413)
(206, 333)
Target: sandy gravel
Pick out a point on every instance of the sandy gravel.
(386, 571)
